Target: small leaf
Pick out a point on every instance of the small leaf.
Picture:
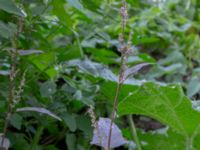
(39, 110)
(84, 124)
(10, 7)
(6, 142)
(71, 141)
(29, 52)
(100, 136)
(134, 69)
(47, 88)
(7, 30)
(16, 121)
(70, 121)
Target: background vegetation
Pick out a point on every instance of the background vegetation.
(61, 56)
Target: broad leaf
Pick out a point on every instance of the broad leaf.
(112, 86)
(100, 136)
(167, 104)
(162, 139)
(92, 68)
(10, 7)
(6, 142)
(39, 110)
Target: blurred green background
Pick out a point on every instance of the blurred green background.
(68, 49)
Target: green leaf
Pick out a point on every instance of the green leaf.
(145, 40)
(59, 10)
(69, 53)
(93, 5)
(10, 7)
(105, 56)
(47, 88)
(84, 124)
(92, 68)
(2, 106)
(7, 30)
(167, 104)
(82, 12)
(44, 62)
(70, 121)
(162, 139)
(51, 147)
(16, 121)
(112, 86)
(71, 141)
(20, 142)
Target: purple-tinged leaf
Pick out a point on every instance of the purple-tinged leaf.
(29, 52)
(39, 110)
(100, 135)
(134, 69)
(6, 142)
(4, 72)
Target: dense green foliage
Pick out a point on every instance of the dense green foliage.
(65, 53)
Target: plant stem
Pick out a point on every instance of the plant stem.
(134, 132)
(113, 113)
(36, 138)
(189, 143)
(123, 50)
(11, 91)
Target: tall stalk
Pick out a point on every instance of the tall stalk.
(12, 84)
(134, 132)
(125, 50)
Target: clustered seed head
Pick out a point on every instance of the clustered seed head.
(17, 95)
(93, 117)
(125, 48)
(124, 12)
(129, 44)
(121, 38)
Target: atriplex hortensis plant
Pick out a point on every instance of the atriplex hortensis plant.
(105, 129)
(14, 93)
(125, 50)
